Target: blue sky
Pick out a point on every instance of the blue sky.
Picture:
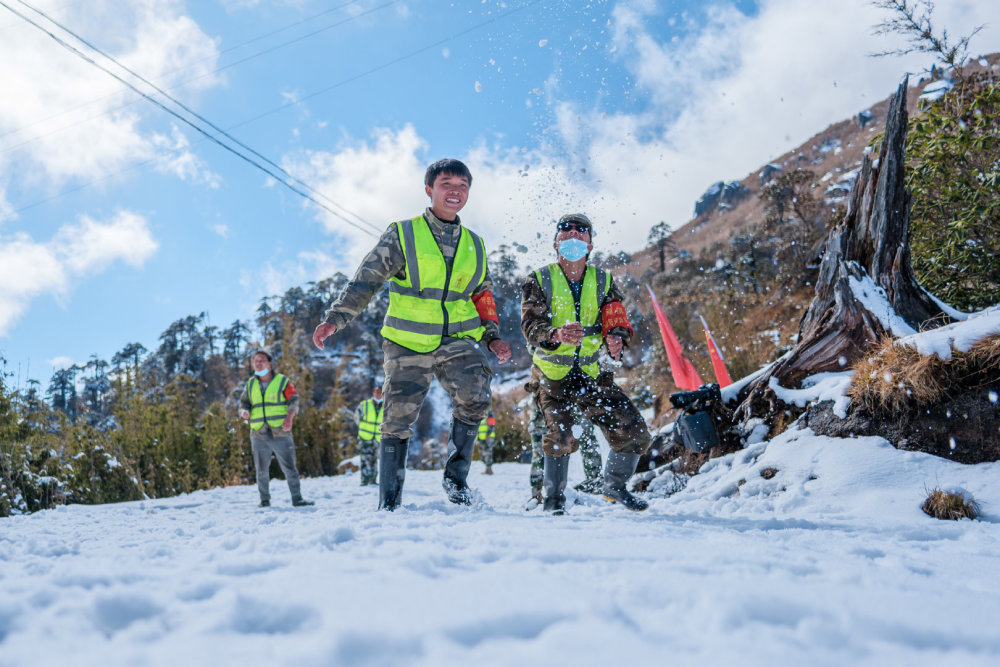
(117, 219)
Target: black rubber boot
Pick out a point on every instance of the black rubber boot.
(554, 482)
(593, 485)
(456, 470)
(619, 469)
(391, 472)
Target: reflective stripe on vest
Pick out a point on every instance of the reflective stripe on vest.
(432, 301)
(269, 408)
(556, 364)
(370, 424)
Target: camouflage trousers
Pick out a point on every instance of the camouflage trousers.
(460, 366)
(486, 450)
(599, 400)
(589, 449)
(368, 453)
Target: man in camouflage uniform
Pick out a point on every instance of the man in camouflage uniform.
(369, 418)
(269, 402)
(590, 451)
(569, 310)
(486, 439)
(441, 320)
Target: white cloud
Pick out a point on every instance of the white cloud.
(175, 157)
(374, 181)
(222, 230)
(723, 101)
(63, 118)
(733, 94)
(6, 210)
(58, 363)
(33, 268)
(275, 279)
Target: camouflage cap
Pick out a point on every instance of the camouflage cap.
(575, 220)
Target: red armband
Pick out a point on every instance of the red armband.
(486, 305)
(290, 391)
(613, 315)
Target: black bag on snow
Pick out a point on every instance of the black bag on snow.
(694, 429)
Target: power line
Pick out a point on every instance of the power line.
(190, 65)
(383, 66)
(287, 105)
(289, 26)
(193, 125)
(202, 119)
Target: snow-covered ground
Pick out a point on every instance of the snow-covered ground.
(830, 562)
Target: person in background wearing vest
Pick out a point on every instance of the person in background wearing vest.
(568, 311)
(442, 318)
(270, 402)
(369, 415)
(487, 438)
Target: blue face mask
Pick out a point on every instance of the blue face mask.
(573, 249)
(262, 373)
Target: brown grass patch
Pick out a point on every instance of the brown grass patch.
(768, 473)
(951, 506)
(981, 364)
(896, 376)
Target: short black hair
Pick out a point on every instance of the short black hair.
(446, 166)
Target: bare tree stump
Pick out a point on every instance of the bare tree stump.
(871, 241)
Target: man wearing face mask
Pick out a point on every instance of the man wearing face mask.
(569, 310)
(269, 402)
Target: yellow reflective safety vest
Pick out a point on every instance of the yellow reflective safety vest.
(486, 429)
(434, 300)
(267, 407)
(556, 364)
(370, 419)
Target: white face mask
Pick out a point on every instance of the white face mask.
(573, 249)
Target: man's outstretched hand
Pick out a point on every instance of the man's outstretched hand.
(501, 349)
(323, 331)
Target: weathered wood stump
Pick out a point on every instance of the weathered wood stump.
(872, 241)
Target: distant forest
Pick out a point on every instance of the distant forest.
(153, 423)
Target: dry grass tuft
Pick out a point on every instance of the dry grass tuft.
(768, 473)
(982, 361)
(951, 506)
(896, 376)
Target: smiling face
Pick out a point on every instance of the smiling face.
(448, 195)
(260, 362)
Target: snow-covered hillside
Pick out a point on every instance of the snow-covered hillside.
(829, 562)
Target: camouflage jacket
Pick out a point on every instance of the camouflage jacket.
(536, 316)
(386, 260)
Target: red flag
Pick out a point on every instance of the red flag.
(685, 375)
(718, 363)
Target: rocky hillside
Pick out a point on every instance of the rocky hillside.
(833, 155)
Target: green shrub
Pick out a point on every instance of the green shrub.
(953, 173)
